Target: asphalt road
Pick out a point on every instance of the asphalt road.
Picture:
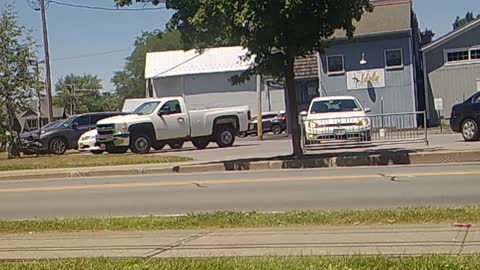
(345, 188)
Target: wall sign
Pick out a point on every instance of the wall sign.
(364, 79)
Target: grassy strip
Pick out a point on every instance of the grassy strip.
(267, 263)
(249, 220)
(76, 161)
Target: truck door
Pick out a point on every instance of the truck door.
(172, 121)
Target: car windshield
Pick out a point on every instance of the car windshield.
(333, 106)
(147, 108)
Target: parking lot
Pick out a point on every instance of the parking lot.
(274, 146)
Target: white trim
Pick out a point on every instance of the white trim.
(460, 62)
(387, 67)
(336, 72)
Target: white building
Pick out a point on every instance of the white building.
(204, 79)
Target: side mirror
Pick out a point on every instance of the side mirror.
(303, 113)
(164, 111)
(368, 110)
(75, 125)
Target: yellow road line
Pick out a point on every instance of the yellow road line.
(225, 182)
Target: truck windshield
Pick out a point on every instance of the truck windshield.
(147, 108)
(332, 106)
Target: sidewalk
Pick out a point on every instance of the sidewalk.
(342, 240)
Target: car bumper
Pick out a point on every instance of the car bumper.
(455, 125)
(89, 145)
(118, 139)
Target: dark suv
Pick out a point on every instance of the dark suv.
(465, 118)
(62, 136)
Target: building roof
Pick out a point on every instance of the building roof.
(446, 38)
(57, 111)
(213, 60)
(388, 16)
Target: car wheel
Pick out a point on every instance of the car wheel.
(201, 143)
(58, 146)
(97, 152)
(158, 147)
(277, 129)
(470, 130)
(140, 144)
(225, 136)
(176, 145)
(112, 149)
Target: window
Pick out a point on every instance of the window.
(475, 54)
(394, 58)
(339, 105)
(32, 124)
(335, 64)
(83, 120)
(147, 108)
(172, 107)
(457, 56)
(95, 118)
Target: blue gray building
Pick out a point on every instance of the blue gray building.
(451, 70)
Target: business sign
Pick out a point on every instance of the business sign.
(365, 79)
(438, 104)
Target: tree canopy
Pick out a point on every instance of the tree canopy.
(427, 37)
(87, 95)
(275, 32)
(461, 22)
(130, 82)
(18, 76)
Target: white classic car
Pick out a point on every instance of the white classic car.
(338, 118)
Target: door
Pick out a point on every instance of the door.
(172, 121)
(79, 126)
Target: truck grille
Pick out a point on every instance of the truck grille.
(105, 129)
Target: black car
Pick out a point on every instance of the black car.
(64, 135)
(271, 122)
(465, 118)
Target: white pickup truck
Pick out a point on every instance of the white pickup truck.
(167, 121)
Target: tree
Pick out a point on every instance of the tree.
(461, 22)
(274, 32)
(130, 82)
(17, 73)
(87, 94)
(427, 37)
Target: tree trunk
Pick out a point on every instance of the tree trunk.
(293, 107)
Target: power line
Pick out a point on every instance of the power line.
(91, 55)
(102, 8)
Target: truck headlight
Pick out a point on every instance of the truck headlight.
(124, 127)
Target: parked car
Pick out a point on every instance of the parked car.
(274, 122)
(58, 138)
(159, 122)
(465, 118)
(87, 143)
(336, 117)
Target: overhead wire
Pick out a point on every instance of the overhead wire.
(58, 3)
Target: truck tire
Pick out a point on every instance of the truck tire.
(176, 144)
(112, 149)
(97, 152)
(225, 135)
(140, 144)
(201, 143)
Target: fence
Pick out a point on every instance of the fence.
(381, 129)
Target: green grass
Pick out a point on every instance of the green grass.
(265, 263)
(248, 220)
(77, 161)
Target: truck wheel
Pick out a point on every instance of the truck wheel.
(112, 149)
(176, 144)
(201, 143)
(140, 144)
(225, 136)
(58, 146)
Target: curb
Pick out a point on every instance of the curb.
(387, 159)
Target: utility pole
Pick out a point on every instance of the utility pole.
(48, 81)
(39, 96)
(259, 108)
(74, 100)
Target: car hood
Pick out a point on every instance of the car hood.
(123, 119)
(92, 132)
(336, 116)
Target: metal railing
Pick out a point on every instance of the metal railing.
(380, 129)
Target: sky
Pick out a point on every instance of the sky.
(87, 41)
